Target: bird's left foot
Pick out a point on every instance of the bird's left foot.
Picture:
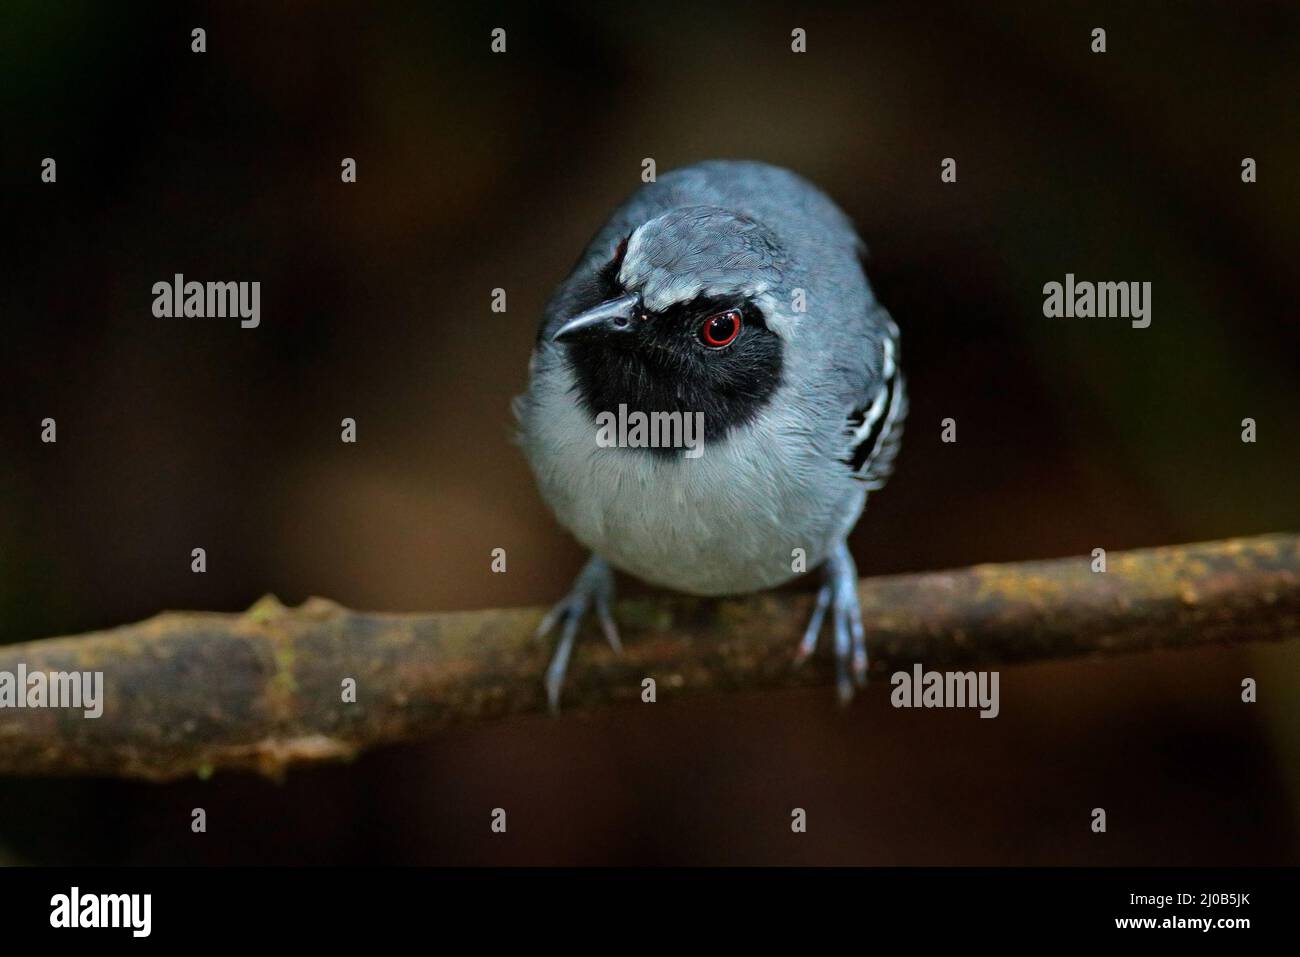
(840, 594)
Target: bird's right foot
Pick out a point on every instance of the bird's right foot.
(593, 587)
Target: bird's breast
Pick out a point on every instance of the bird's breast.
(749, 512)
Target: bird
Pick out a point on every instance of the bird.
(732, 293)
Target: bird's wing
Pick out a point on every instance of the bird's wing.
(877, 423)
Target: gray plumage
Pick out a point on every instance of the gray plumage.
(729, 521)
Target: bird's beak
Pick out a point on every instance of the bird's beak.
(616, 315)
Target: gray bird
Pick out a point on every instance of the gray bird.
(732, 294)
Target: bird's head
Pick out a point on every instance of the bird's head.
(672, 319)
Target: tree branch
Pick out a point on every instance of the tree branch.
(190, 692)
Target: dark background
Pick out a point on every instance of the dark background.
(477, 171)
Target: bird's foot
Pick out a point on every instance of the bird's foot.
(593, 587)
(840, 595)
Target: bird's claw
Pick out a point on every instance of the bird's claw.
(594, 587)
(840, 595)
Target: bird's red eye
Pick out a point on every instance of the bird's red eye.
(721, 329)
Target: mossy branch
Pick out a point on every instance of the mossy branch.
(190, 692)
